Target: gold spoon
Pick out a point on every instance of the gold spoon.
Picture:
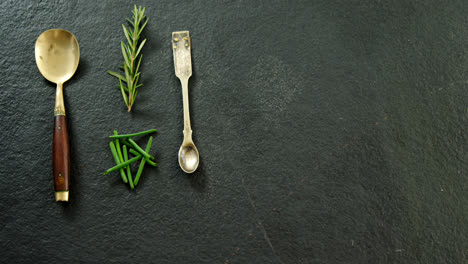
(57, 56)
(188, 152)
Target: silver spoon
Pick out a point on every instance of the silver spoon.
(181, 45)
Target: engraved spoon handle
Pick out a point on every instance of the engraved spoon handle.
(185, 97)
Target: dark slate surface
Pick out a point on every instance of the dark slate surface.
(329, 132)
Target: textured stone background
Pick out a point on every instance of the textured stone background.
(329, 132)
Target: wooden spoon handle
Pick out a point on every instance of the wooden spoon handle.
(61, 158)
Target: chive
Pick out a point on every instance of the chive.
(150, 162)
(117, 146)
(142, 163)
(123, 164)
(134, 134)
(133, 151)
(129, 171)
(137, 148)
(140, 169)
(126, 143)
(116, 158)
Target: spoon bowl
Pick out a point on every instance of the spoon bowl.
(188, 157)
(57, 57)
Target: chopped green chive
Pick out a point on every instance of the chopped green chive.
(123, 164)
(134, 135)
(117, 161)
(142, 163)
(117, 147)
(122, 158)
(132, 150)
(129, 171)
(150, 162)
(137, 148)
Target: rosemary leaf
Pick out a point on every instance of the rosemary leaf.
(141, 46)
(138, 65)
(125, 88)
(136, 77)
(126, 34)
(117, 75)
(123, 92)
(128, 78)
(134, 97)
(124, 53)
(129, 52)
(143, 27)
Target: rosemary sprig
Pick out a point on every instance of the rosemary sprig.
(130, 52)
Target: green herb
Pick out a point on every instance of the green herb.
(137, 148)
(121, 156)
(130, 52)
(150, 162)
(129, 171)
(134, 152)
(132, 149)
(117, 147)
(142, 164)
(134, 134)
(123, 164)
(117, 161)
